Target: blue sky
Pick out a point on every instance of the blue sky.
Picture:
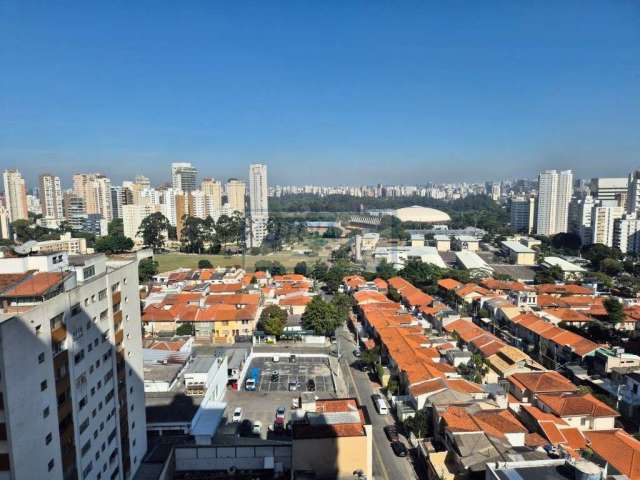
(322, 91)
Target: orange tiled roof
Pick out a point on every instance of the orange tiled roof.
(234, 299)
(354, 281)
(569, 289)
(542, 382)
(380, 284)
(572, 404)
(619, 449)
(504, 285)
(297, 300)
(36, 285)
(471, 288)
(449, 284)
(370, 296)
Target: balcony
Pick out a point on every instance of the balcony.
(119, 336)
(59, 334)
(116, 297)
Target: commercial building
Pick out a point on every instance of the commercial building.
(610, 192)
(71, 361)
(183, 176)
(522, 212)
(66, 243)
(15, 195)
(518, 253)
(554, 194)
(570, 271)
(50, 192)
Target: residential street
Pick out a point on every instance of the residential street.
(386, 465)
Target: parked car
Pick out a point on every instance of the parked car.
(311, 385)
(250, 384)
(257, 427)
(292, 358)
(356, 353)
(278, 425)
(237, 414)
(293, 386)
(276, 358)
(399, 449)
(280, 411)
(391, 431)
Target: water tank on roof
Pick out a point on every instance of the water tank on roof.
(586, 470)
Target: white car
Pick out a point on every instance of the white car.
(276, 358)
(257, 427)
(237, 415)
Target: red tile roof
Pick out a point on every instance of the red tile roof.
(619, 449)
(449, 284)
(542, 382)
(576, 404)
(36, 285)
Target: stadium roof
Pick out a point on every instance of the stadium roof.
(421, 215)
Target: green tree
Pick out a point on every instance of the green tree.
(321, 317)
(115, 243)
(597, 252)
(116, 227)
(615, 310)
(344, 303)
(370, 357)
(193, 234)
(319, 271)
(186, 329)
(394, 295)
(224, 229)
(301, 268)
(420, 424)
(611, 266)
(273, 267)
(549, 275)
(272, 320)
(385, 270)
(153, 230)
(204, 263)
(147, 268)
(332, 232)
(569, 242)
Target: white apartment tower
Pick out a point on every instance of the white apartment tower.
(50, 191)
(258, 203)
(235, 190)
(602, 223)
(627, 234)
(15, 195)
(72, 385)
(95, 190)
(554, 194)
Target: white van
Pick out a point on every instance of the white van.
(381, 405)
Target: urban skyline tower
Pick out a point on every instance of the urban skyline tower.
(50, 192)
(15, 193)
(555, 189)
(258, 203)
(183, 176)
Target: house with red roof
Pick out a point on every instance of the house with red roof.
(616, 450)
(579, 410)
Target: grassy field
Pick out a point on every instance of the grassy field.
(171, 261)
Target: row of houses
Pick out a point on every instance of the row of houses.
(519, 408)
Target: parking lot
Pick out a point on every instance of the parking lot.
(298, 373)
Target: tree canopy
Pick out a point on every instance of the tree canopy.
(147, 268)
(272, 266)
(615, 310)
(323, 317)
(272, 320)
(153, 230)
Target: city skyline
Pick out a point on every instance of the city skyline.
(438, 93)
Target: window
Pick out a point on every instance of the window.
(76, 309)
(57, 321)
(84, 425)
(41, 357)
(96, 342)
(78, 357)
(48, 438)
(115, 287)
(38, 329)
(88, 272)
(85, 448)
(102, 294)
(93, 391)
(103, 315)
(82, 403)
(86, 302)
(45, 412)
(51, 464)
(43, 385)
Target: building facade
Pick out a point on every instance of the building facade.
(15, 195)
(50, 191)
(554, 195)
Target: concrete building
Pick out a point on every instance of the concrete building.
(235, 192)
(95, 190)
(183, 176)
(554, 194)
(518, 253)
(50, 192)
(197, 204)
(15, 195)
(443, 242)
(570, 271)
(66, 243)
(610, 191)
(602, 222)
(627, 233)
(5, 222)
(71, 361)
(74, 210)
(580, 210)
(258, 203)
(633, 192)
(132, 217)
(334, 440)
(466, 242)
(213, 191)
(522, 213)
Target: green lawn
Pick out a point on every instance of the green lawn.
(171, 261)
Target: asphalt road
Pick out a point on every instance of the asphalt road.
(386, 465)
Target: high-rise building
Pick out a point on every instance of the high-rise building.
(72, 369)
(132, 217)
(15, 195)
(580, 210)
(633, 192)
(183, 176)
(117, 195)
(522, 214)
(554, 194)
(95, 189)
(198, 204)
(143, 181)
(74, 209)
(50, 191)
(258, 203)
(608, 191)
(182, 210)
(627, 233)
(5, 222)
(235, 190)
(213, 191)
(602, 223)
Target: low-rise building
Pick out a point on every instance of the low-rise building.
(518, 253)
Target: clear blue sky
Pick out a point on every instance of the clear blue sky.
(322, 91)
